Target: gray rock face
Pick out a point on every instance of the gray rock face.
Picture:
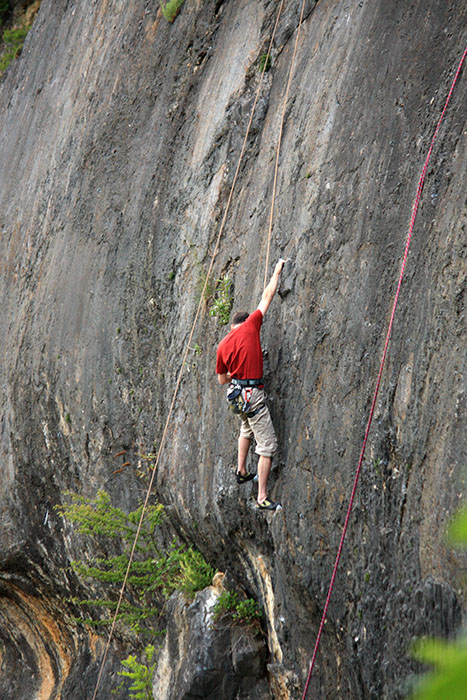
(202, 658)
(119, 139)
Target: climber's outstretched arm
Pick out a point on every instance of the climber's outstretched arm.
(271, 288)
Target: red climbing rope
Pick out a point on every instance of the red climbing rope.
(383, 359)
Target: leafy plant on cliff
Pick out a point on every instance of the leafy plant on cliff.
(171, 9)
(241, 612)
(154, 574)
(140, 674)
(448, 658)
(222, 303)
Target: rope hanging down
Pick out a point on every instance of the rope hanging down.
(378, 381)
(184, 358)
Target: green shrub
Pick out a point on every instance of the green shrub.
(222, 303)
(171, 9)
(225, 604)
(242, 612)
(247, 612)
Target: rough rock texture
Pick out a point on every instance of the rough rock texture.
(119, 137)
(202, 658)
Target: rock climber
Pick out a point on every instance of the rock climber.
(240, 365)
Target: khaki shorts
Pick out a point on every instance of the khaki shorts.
(260, 426)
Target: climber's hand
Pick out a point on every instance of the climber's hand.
(279, 266)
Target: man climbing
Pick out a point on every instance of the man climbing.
(240, 365)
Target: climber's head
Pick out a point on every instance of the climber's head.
(239, 317)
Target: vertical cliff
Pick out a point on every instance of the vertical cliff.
(119, 137)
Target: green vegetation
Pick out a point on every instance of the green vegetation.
(171, 9)
(12, 43)
(241, 612)
(264, 62)
(154, 574)
(458, 529)
(222, 302)
(450, 661)
(140, 674)
(194, 572)
(18, 23)
(449, 658)
(218, 296)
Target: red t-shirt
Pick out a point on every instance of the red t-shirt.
(240, 351)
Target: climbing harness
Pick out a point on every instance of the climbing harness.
(378, 381)
(258, 383)
(239, 396)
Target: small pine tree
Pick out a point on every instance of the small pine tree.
(140, 675)
(154, 574)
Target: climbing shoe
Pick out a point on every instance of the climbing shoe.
(268, 505)
(243, 478)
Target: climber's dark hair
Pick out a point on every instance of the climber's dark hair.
(239, 317)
